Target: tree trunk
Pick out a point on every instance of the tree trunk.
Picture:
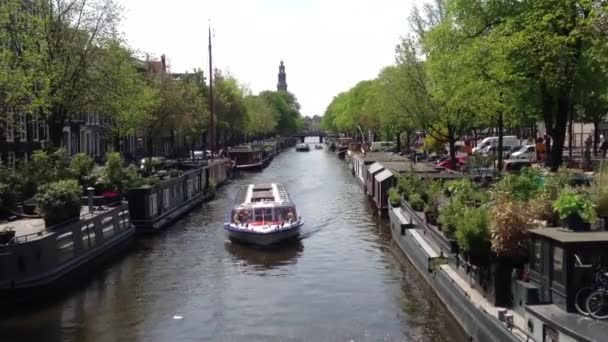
(452, 142)
(500, 142)
(558, 134)
(56, 133)
(116, 141)
(399, 142)
(570, 133)
(596, 133)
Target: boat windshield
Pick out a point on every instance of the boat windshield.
(263, 215)
(267, 214)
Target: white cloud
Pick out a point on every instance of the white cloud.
(328, 46)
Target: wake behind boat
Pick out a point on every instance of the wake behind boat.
(263, 214)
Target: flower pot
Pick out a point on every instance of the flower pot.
(576, 223)
(6, 236)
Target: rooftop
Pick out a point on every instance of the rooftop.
(568, 236)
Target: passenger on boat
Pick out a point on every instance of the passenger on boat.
(241, 216)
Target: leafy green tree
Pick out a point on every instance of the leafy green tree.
(229, 104)
(262, 119)
(288, 108)
(75, 35)
(21, 81)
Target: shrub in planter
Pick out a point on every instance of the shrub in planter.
(540, 208)
(473, 235)
(510, 221)
(393, 197)
(113, 171)
(520, 187)
(81, 167)
(458, 187)
(49, 167)
(132, 178)
(575, 209)
(59, 201)
(407, 185)
(416, 202)
(449, 217)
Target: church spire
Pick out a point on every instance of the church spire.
(282, 85)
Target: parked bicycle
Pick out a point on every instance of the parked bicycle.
(597, 301)
(582, 296)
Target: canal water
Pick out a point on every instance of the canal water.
(343, 281)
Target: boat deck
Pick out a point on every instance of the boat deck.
(32, 226)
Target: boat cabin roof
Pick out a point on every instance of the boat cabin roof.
(272, 193)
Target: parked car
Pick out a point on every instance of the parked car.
(516, 165)
(383, 146)
(527, 152)
(456, 164)
(506, 150)
(507, 140)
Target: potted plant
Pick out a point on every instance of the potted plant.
(416, 202)
(575, 209)
(393, 197)
(59, 202)
(6, 235)
(473, 235)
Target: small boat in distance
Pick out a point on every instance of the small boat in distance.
(302, 148)
(263, 214)
(319, 147)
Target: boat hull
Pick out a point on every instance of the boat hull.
(263, 239)
(251, 167)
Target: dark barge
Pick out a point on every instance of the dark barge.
(40, 259)
(155, 207)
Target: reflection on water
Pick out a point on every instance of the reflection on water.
(265, 257)
(343, 280)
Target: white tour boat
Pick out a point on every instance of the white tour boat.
(263, 214)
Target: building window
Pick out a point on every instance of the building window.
(44, 134)
(11, 160)
(23, 127)
(558, 265)
(537, 263)
(10, 129)
(35, 128)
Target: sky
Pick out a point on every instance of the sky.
(327, 46)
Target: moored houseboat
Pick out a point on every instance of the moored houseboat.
(535, 301)
(263, 214)
(248, 158)
(39, 259)
(302, 148)
(155, 207)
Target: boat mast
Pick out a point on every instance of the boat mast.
(211, 129)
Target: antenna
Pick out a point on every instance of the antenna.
(211, 129)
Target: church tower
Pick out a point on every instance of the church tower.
(282, 85)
